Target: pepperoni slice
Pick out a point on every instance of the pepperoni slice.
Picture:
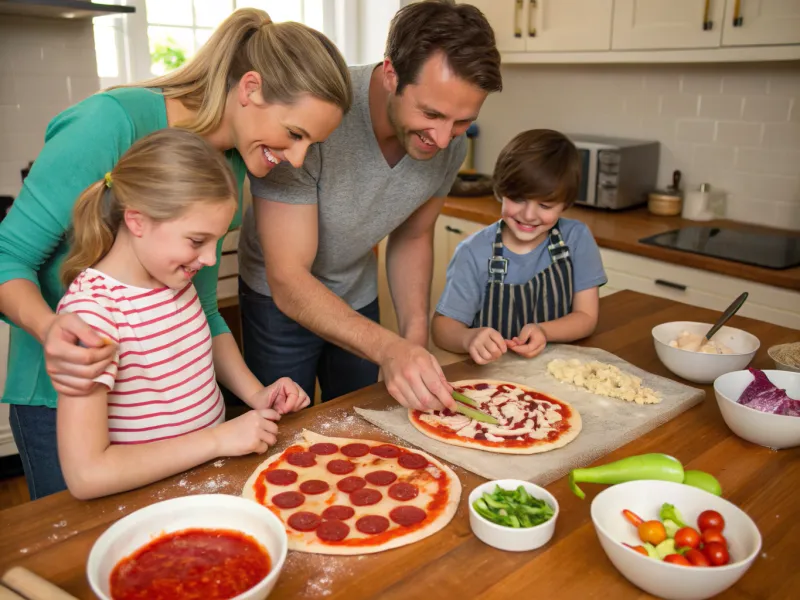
(355, 450)
(341, 467)
(348, 485)
(302, 459)
(324, 448)
(314, 486)
(409, 460)
(407, 515)
(338, 512)
(403, 491)
(281, 477)
(365, 497)
(372, 524)
(332, 531)
(386, 451)
(288, 499)
(303, 521)
(481, 386)
(380, 477)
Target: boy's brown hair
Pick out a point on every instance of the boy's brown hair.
(539, 164)
(459, 31)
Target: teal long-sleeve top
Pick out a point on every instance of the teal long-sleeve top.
(81, 145)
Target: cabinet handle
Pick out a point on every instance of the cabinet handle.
(671, 284)
(738, 18)
(708, 24)
(453, 230)
(517, 11)
(531, 19)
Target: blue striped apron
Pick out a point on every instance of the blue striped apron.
(508, 307)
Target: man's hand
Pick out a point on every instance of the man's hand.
(485, 345)
(530, 342)
(414, 378)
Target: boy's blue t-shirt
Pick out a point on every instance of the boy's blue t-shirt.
(468, 271)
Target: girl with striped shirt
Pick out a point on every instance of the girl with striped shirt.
(138, 238)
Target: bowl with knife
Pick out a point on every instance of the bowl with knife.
(701, 352)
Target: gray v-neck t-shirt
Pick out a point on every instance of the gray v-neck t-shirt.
(360, 199)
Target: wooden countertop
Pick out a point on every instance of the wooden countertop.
(623, 230)
(53, 536)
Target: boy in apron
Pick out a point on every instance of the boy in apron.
(532, 277)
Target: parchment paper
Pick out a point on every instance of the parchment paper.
(608, 423)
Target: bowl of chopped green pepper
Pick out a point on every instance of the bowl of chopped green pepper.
(511, 514)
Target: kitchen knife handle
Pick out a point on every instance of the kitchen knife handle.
(517, 10)
(671, 284)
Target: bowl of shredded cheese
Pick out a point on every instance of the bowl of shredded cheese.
(786, 357)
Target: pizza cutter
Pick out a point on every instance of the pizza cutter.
(469, 408)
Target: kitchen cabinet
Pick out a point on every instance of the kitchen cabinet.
(699, 288)
(760, 22)
(7, 446)
(644, 31)
(655, 24)
(549, 25)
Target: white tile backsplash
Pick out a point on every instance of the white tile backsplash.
(46, 65)
(736, 126)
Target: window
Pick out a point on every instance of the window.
(162, 34)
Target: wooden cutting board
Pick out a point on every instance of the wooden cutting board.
(608, 423)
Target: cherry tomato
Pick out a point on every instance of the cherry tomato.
(687, 537)
(677, 559)
(632, 518)
(697, 558)
(653, 532)
(710, 519)
(716, 553)
(639, 549)
(713, 535)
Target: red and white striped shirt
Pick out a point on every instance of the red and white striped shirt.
(161, 383)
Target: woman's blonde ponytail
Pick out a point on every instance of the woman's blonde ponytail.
(93, 231)
(291, 58)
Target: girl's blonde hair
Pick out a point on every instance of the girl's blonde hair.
(160, 175)
(291, 58)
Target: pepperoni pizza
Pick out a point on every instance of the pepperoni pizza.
(349, 496)
(529, 422)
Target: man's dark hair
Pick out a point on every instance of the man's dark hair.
(459, 31)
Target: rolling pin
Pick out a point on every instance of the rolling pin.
(33, 587)
(7, 594)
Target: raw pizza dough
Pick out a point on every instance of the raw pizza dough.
(603, 379)
(555, 425)
(379, 472)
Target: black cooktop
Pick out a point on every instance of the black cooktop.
(773, 251)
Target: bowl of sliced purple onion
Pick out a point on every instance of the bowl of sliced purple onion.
(762, 407)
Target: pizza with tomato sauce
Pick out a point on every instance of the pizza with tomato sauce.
(529, 422)
(353, 496)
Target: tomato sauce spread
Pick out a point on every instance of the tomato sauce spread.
(193, 564)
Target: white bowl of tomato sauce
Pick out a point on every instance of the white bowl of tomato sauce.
(728, 553)
(209, 547)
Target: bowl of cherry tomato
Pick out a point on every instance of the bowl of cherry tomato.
(672, 540)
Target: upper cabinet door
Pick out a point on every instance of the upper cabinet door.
(761, 22)
(568, 25)
(507, 18)
(667, 24)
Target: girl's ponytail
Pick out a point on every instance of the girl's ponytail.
(93, 230)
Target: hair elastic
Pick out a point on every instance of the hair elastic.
(108, 179)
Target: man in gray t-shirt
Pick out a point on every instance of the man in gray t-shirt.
(308, 289)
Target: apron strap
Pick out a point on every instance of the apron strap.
(498, 264)
(556, 245)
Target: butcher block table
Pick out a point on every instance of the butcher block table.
(53, 536)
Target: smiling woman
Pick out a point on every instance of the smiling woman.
(260, 92)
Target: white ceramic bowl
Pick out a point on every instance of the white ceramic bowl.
(779, 365)
(696, 366)
(212, 511)
(764, 429)
(508, 538)
(665, 580)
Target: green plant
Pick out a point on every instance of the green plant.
(169, 54)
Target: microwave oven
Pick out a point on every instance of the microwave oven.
(616, 173)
